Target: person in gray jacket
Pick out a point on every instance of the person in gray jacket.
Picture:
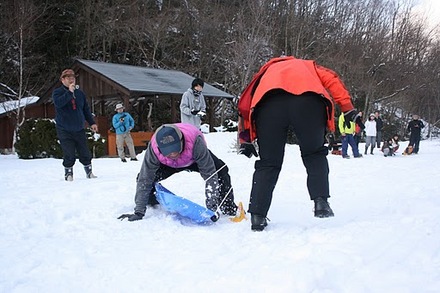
(192, 104)
(182, 147)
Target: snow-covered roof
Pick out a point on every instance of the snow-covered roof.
(15, 104)
(150, 80)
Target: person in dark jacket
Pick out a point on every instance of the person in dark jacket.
(182, 147)
(72, 111)
(415, 128)
(290, 92)
(360, 126)
(379, 127)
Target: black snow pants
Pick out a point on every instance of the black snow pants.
(72, 142)
(274, 115)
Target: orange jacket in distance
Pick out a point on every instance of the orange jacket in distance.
(295, 76)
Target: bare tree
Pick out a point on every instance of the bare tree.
(19, 29)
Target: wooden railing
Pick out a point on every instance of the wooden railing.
(140, 141)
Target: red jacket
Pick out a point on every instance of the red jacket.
(295, 76)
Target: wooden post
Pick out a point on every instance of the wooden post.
(126, 103)
(173, 110)
(210, 114)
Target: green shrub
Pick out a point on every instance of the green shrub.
(96, 144)
(37, 138)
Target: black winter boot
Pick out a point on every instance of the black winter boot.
(68, 174)
(258, 222)
(228, 207)
(89, 173)
(366, 149)
(322, 208)
(152, 200)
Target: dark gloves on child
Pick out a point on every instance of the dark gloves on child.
(247, 149)
(131, 217)
(194, 112)
(349, 117)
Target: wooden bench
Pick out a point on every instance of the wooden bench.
(140, 141)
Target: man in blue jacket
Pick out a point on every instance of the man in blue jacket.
(72, 111)
(123, 124)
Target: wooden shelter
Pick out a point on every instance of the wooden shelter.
(138, 88)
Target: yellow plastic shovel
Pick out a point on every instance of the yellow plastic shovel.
(241, 214)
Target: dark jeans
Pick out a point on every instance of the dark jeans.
(224, 182)
(357, 140)
(378, 138)
(72, 142)
(348, 139)
(414, 141)
(274, 115)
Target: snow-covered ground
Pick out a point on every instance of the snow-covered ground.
(58, 236)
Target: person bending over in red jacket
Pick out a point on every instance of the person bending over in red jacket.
(290, 92)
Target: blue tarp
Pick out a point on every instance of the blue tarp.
(184, 207)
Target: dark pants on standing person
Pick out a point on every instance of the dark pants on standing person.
(72, 142)
(348, 139)
(357, 139)
(224, 183)
(414, 141)
(274, 116)
(378, 138)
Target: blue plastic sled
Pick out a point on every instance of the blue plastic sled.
(184, 207)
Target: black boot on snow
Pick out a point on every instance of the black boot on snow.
(89, 173)
(68, 174)
(152, 201)
(258, 222)
(228, 207)
(322, 208)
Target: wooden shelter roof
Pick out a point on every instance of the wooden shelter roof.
(108, 81)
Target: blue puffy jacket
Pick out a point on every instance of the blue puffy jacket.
(122, 126)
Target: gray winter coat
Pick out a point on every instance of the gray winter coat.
(188, 103)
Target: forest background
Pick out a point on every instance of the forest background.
(387, 55)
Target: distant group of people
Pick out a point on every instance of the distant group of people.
(351, 134)
(282, 88)
(372, 128)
